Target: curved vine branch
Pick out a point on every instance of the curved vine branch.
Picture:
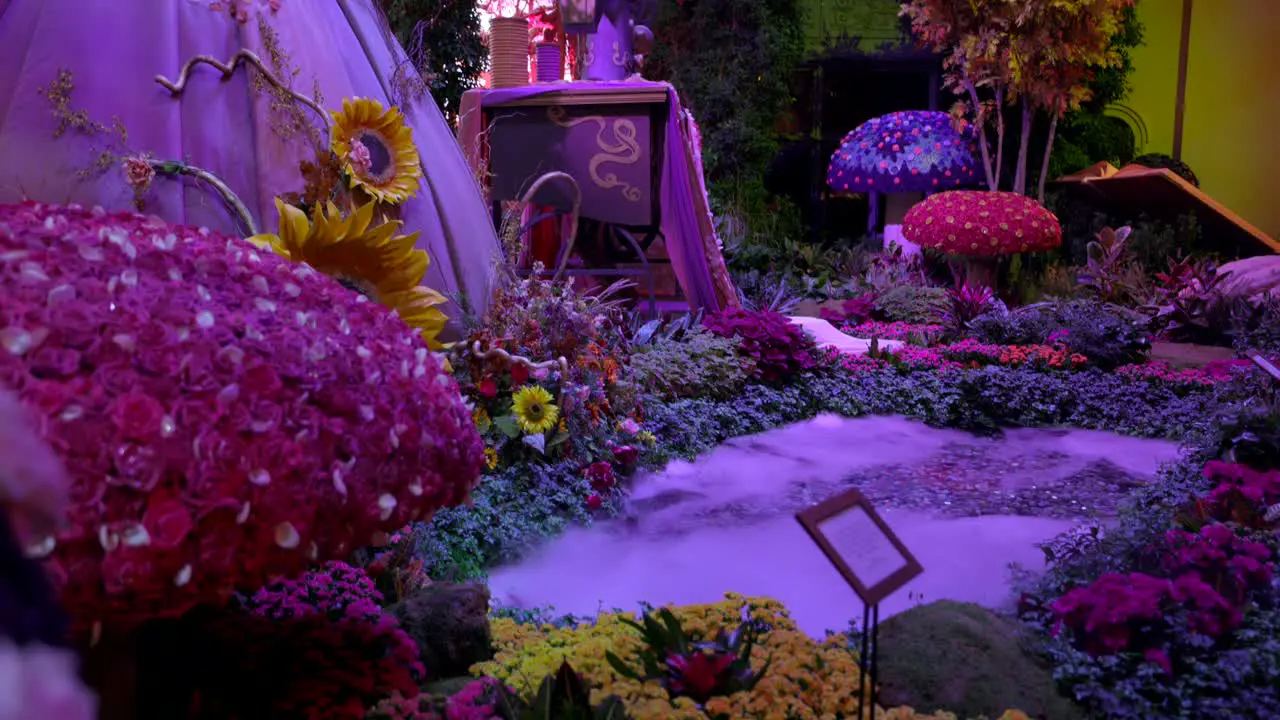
(500, 354)
(173, 167)
(229, 67)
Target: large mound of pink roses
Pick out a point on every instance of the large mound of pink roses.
(225, 415)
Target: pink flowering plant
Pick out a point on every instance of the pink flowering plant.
(852, 311)
(226, 416)
(1233, 565)
(1162, 373)
(478, 700)
(316, 648)
(1139, 613)
(907, 332)
(1242, 496)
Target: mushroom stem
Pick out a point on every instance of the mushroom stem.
(982, 272)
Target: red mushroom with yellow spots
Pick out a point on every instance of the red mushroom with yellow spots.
(982, 227)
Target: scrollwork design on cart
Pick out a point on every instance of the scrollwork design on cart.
(623, 150)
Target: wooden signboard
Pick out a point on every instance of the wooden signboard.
(866, 553)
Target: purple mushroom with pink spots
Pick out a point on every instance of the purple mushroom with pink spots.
(903, 155)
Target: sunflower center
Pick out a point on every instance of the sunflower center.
(357, 285)
(535, 411)
(380, 157)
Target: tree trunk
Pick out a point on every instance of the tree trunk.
(999, 171)
(982, 133)
(1048, 151)
(1020, 173)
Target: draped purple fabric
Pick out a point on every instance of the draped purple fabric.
(227, 126)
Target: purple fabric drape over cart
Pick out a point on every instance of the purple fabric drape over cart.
(680, 225)
(115, 48)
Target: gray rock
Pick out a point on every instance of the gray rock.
(450, 624)
(1251, 278)
(966, 659)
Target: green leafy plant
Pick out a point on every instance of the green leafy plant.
(766, 292)
(735, 95)
(442, 39)
(915, 304)
(692, 364)
(1112, 274)
(1188, 305)
(563, 696)
(691, 669)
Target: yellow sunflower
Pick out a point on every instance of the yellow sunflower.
(534, 410)
(373, 261)
(376, 149)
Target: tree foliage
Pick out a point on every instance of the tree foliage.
(442, 37)
(732, 62)
(1037, 54)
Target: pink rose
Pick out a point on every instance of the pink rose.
(139, 174)
(137, 416)
(51, 361)
(594, 501)
(136, 466)
(127, 570)
(626, 455)
(116, 378)
(168, 522)
(261, 381)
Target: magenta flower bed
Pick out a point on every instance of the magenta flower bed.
(1205, 583)
(226, 416)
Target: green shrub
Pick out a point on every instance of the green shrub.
(918, 305)
(1108, 335)
(697, 365)
(442, 38)
(964, 658)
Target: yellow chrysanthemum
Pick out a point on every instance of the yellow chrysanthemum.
(534, 411)
(805, 678)
(376, 149)
(374, 261)
(490, 458)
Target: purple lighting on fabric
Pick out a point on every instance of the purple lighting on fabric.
(679, 223)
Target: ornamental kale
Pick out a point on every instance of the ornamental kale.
(779, 348)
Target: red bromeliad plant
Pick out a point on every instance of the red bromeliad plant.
(698, 671)
(968, 301)
(779, 347)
